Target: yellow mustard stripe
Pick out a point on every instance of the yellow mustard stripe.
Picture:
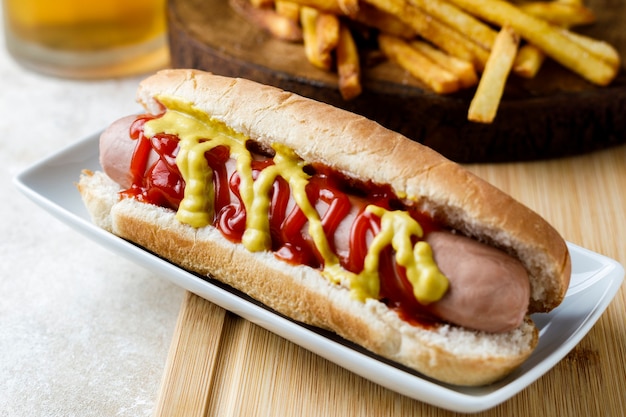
(198, 134)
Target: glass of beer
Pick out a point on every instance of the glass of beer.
(87, 39)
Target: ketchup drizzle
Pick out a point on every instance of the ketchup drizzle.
(162, 184)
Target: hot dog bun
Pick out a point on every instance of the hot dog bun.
(343, 141)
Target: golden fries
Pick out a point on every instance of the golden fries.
(564, 13)
(261, 3)
(316, 56)
(463, 22)
(348, 65)
(288, 9)
(419, 65)
(446, 38)
(528, 61)
(572, 2)
(464, 70)
(327, 30)
(337, 7)
(349, 7)
(560, 13)
(328, 6)
(485, 102)
(279, 26)
(446, 44)
(384, 22)
(545, 36)
(598, 48)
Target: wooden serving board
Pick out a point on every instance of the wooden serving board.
(555, 114)
(222, 365)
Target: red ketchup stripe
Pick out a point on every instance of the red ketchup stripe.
(142, 149)
(162, 184)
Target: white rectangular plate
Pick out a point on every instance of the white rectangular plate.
(595, 280)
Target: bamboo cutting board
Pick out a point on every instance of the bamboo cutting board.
(222, 365)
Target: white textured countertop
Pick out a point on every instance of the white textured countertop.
(83, 332)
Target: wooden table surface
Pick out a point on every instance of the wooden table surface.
(222, 365)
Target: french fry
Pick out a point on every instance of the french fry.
(308, 20)
(464, 70)
(262, 3)
(528, 61)
(573, 2)
(560, 13)
(288, 9)
(484, 104)
(349, 7)
(564, 13)
(327, 6)
(599, 48)
(545, 36)
(348, 65)
(268, 19)
(446, 38)
(387, 23)
(458, 19)
(418, 65)
(327, 30)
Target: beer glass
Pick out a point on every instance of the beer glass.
(87, 39)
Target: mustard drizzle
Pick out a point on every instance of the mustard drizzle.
(199, 134)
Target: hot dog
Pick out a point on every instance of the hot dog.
(478, 264)
(474, 269)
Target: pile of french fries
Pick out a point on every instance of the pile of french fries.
(448, 45)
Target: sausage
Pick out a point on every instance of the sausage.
(489, 290)
(116, 151)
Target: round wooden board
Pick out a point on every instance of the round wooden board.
(553, 115)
